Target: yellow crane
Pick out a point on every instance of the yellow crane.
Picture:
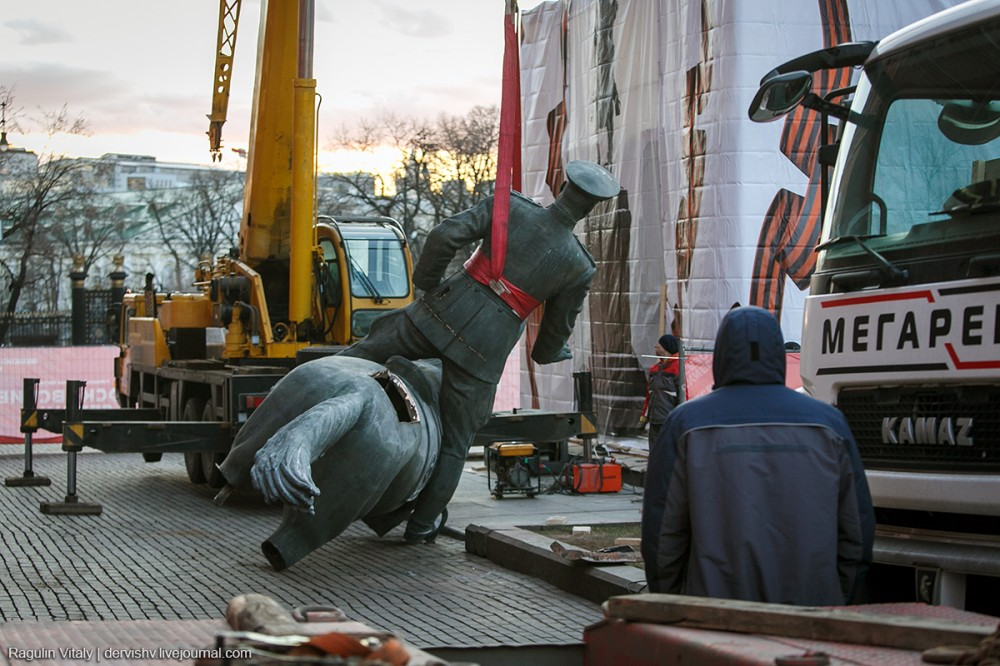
(299, 282)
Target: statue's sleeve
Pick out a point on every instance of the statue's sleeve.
(282, 468)
(447, 238)
(558, 319)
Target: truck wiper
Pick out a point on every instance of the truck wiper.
(891, 271)
(365, 281)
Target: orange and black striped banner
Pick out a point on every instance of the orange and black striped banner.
(791, 226)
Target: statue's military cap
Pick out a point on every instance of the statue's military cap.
(592, 179)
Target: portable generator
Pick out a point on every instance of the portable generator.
(510, 464)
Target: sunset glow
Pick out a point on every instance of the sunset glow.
(145, 92)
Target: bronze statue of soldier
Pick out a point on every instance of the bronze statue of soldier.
(472, 319)
(346, 438)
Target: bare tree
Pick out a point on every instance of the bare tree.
(467, 153)
(468, 145)
(443, 168)
(90, 226)
(397, 194)
(34, 190)
(201, 218)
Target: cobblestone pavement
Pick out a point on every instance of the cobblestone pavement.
(161, 550)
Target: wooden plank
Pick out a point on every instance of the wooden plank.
(809, 622)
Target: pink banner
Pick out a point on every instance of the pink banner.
(95, 365)
(53, 366)
(508, 395)
(698, 373)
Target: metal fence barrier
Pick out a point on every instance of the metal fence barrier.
(55, 329)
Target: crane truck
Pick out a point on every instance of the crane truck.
(902, 321)
(193, 366)
(297, 282)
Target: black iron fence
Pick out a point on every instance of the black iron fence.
(37, 329)
(98, 317)
(55, 329)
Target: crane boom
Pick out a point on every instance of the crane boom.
(229, 19)
(303, 194)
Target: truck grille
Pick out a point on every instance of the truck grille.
(913, 428)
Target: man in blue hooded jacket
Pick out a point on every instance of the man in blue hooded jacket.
(755, 491)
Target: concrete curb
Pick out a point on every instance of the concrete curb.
(529, 553)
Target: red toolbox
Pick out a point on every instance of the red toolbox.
(595, 478)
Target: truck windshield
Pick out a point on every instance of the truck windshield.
(377, 268)
(926, 145)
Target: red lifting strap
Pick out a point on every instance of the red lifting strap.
(478, 268)
(509, 149)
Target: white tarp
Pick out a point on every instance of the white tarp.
(717, 210)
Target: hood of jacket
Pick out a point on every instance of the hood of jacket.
(749, 349)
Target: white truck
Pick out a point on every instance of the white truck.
(902, 322)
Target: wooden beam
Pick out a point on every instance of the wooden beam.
(664, 304)
(809, 622)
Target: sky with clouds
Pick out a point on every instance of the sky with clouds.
(141, 72)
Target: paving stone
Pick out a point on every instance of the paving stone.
(161, 550)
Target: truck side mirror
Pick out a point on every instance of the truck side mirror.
(778, 95)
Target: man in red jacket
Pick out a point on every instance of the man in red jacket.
(663, 390)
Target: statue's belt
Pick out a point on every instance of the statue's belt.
(479, 269)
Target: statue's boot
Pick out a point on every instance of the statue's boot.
(412, 536)
(430, 510)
